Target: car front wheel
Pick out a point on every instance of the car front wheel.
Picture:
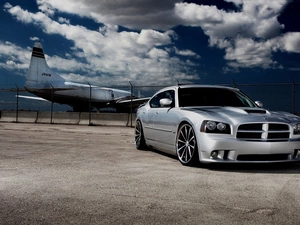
(186, 145)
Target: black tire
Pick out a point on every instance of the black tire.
(139, 138)
(186, 146)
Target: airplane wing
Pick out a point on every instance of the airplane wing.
(125, 104)
(31, 97)
(49, 89)
(135, 100)
(38, 89)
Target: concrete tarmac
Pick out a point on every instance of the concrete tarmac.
(70, 174)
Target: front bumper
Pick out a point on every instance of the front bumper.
(232, 150)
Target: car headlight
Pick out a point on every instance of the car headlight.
(297, 128)
(209, 126)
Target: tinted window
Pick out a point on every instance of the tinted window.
(213, 97)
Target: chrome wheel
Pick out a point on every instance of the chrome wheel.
(186, 145)
(139, 136)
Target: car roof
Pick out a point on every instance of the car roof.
(197, 86)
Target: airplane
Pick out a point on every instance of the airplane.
(43, 82)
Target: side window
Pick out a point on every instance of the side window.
(170, 94)
(154, 103)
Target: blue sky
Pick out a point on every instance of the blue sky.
(153, 42)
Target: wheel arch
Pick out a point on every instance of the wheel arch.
(185, 121)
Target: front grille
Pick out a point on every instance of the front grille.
(271, 157)
(263, 132)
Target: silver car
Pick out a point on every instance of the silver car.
(216, 124)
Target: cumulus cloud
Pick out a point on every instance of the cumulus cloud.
(19, 13)
(16, 57)
(249, 35)
(157, 53)
(290, 42)
(63, 20)
(254, 21)
(198, 15)
(146, 14)
(110, 54)
(186, 52)
(248, 53)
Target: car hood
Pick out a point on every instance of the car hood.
(244, 114)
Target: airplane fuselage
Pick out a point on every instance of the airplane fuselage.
(79, 96)
(43, 82)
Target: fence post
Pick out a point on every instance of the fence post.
(131, 87)
(293, 97)
(51, 113)
(17, 111)
(90, 105)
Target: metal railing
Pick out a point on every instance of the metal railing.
(275, 96)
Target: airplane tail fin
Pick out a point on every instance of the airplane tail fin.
(40, 74)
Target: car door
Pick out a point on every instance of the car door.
(164, 123)
(149, 118)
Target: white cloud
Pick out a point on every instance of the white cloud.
(186, 52)
(34, 38)
(16, 57)
(146, 14)
(45, 7)
(254, 20)
(249, 35)
(19, 13)
(7, 5)
(63, 20)
(157, 53)
(151, 38)
(247, 53)
(263, 9)
(109, 54)
(198, 15)
(290, 42)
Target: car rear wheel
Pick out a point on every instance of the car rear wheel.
(139, 138)
(186, 145)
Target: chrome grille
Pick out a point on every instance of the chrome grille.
(263, 132)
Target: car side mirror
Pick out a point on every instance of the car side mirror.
(165, 102)
(259, 104)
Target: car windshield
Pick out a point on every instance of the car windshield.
(213, 97)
